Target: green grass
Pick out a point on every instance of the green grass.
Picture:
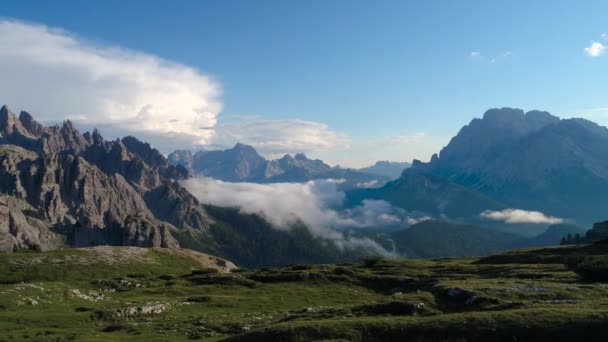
(522, 295)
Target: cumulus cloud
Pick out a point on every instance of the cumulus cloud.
(279, 136)
(596, 49)
(520, 216)
(55, 75)
(474, 54)
(317, 204)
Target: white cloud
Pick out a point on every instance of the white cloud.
(317, 204)
(56, 75)
(273, 137)
(520, 216)
(490, 59)
(595, 49)
(407, 138)
(414, 220)
(604, 36)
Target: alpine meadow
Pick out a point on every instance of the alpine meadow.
(303, 170)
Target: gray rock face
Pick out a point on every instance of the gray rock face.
(21, 226)
(60, 186)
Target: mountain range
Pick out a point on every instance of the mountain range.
(61, 188)
(510, 159)
(242, 163)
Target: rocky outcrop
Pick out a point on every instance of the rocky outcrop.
(22, 226)
(59, 185)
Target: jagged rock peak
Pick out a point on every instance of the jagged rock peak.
(145, 151)
(31, 125)
(244, 148)
(7, 119)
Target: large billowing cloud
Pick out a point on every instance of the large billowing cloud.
(272, 136)
(56, 75)
(315, 204)
(520, 216)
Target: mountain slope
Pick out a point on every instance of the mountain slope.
(392, 170)
(430, 195)
(437, 239)
(532, 161)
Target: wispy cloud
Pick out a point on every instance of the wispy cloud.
(57, 75)
(407, 138)
(596, 49)
(273, 137)
(513, 216)
(477, 55)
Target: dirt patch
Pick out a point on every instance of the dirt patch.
(205, 260)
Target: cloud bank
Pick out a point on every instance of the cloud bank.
(272, 137)
(315, 203)
(57, 75)
(514, 216)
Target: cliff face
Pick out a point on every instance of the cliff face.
(58, 186)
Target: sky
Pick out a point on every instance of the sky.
(350, 82)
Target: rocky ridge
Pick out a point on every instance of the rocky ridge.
(58, 186)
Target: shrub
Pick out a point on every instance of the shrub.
(591, 268)
(372, 261)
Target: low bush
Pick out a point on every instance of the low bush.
(591, 268)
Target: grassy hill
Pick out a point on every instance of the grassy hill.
(438, 239)
(122, 293)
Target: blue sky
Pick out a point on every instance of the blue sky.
(389, 79)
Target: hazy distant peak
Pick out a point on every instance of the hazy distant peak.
(505, 113)
(386, 168)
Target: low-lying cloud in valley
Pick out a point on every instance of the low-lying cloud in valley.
(316, 204)
(514, 216)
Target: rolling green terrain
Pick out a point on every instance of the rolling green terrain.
(127, 293)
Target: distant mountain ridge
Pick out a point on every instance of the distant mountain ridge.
(242, 163)
(511, 159)
(392, 170)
